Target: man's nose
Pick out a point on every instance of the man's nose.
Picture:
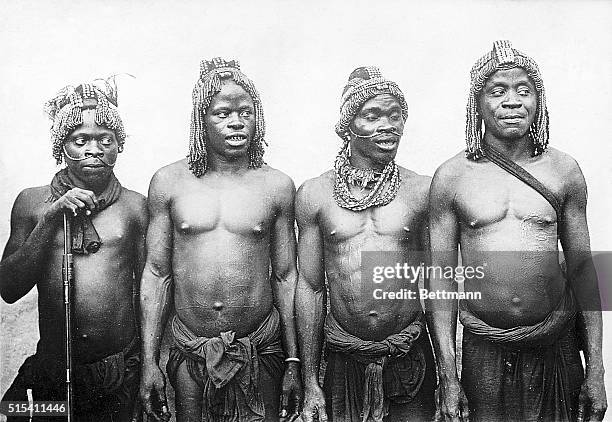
(93, 149)
(385, 125)
(512, 100)
(235, 122)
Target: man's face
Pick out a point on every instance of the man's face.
(90, 149)
(381, 118)
(508, 103)
(230, 121)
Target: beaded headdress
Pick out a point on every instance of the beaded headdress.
(66, 111)
(212, 72)
(503, 57)
(365, 83)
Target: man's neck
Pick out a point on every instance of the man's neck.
(97, 186)
(517, 149)
(224, 165)
(365, 163)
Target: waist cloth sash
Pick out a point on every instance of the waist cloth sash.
(103, 386)
(545, 332)
(394, 371)
(227, 368)
(525, 372)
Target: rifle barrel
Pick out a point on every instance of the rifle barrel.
(68, 278)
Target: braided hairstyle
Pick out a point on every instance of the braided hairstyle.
(65, 110)
(212, 73)
(503, 57)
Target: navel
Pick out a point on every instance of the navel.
(406, 229)
(516, 300)
(218, 306)
(373, 313)
(332, 233)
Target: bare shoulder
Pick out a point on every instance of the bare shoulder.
(564, 163)
(455, 165)
(451, 170)
(34, 194)
(313, 194)
(568, 172)
(29, 201)
(167, 177)
(277, 180)
(417, 184)
(177, 169)
(317, 188)
(136, 201)
(28, 204)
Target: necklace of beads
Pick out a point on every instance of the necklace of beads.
(385, 184)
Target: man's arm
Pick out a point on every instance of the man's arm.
(424, 223)
(574, 235)
(310, 298)
(141, 220)
(31, 239)
(156, 295)
(442, 313)
(284, 280)
(142, 223)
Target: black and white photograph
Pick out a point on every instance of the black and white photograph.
(305, 211)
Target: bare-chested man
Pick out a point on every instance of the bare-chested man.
(520, 345)
(221, 249)
(108, 229)
(379, 359)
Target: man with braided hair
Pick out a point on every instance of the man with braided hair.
(221, 254)
(507, 202)
(108, 225)
(379, 358)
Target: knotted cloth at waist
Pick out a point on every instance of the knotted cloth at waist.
(227, 368)
(396, 361)
(544, 333)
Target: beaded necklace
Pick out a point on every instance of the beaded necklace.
(385, 184)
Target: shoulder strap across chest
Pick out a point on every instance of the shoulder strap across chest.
(523, 175)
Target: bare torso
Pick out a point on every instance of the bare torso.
(346, 234)
(512, 228)
(222, 226)
(102, 309)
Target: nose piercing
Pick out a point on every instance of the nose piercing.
(391, 132)
(101, 158)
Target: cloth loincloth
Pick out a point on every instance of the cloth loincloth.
(105, 387)
(526, 373)
(227, 369)
(364, 377)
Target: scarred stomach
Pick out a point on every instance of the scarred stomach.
(363, 312)
(103, 318)
(518, 288)
(222, 287)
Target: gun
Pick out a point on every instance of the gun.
(68, 279)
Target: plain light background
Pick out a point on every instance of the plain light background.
(299, 55)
